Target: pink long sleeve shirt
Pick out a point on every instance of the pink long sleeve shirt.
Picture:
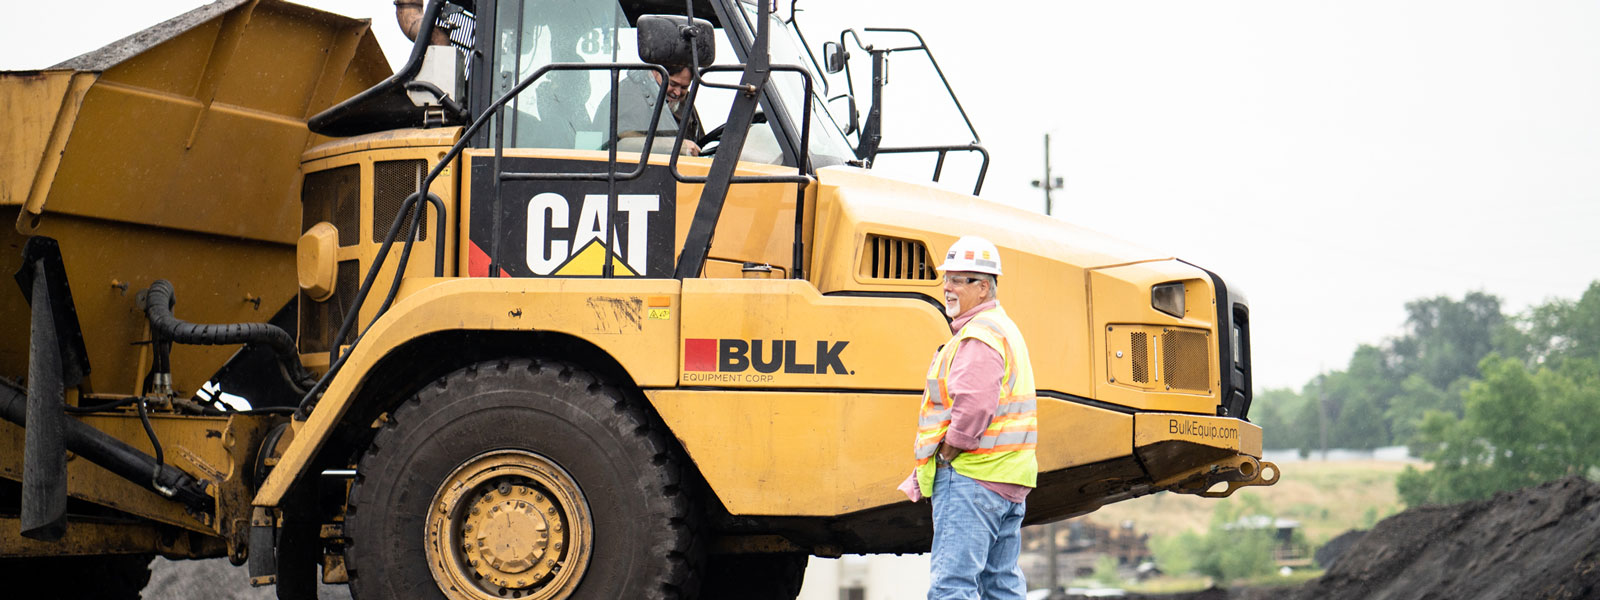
(974, 383)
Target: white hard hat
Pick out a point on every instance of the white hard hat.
(973, 254)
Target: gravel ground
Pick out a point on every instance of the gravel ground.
(215, 579)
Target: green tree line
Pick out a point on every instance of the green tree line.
(1493, 401)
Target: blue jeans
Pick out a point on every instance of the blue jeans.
(977, 536)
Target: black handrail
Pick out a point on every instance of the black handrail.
(803, 165)
(610, 176)
(943, 150)
(923, 46)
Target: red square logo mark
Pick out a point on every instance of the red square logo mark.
(699, 355)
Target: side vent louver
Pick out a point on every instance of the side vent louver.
(887, 257)
(1141, 358)
(392, 182)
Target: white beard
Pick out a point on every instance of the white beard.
(952, 306)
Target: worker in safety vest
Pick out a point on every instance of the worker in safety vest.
(975, 436)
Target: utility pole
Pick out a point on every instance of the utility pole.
(1047, 183)
(1322, 404)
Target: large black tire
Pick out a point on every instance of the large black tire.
(754, 576)
(581, 483)
(110, 577)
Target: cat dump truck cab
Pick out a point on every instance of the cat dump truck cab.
(495, 326)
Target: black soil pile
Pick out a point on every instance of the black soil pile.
(1537, 542)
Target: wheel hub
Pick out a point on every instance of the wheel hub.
(508, 524)
(511, 531)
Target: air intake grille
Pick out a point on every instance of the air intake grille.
(1139, 343)
(896, 258)
(334, 196)
(1184, 360)
(320, 321)
(392, 182)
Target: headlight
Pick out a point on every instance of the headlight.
(1168, 298)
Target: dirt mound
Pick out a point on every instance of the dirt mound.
(1330, 552)
(1537, 542)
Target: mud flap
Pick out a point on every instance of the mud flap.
(263, 558)
(56, 361)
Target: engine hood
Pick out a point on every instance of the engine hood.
(1064, 285)
(854, 203)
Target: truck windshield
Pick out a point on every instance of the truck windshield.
(828, 142)
(571, 109)
(557, 111)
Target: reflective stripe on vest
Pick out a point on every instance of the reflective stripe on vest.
(934, 419)
(1005, 451)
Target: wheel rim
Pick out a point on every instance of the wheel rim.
(509, 524)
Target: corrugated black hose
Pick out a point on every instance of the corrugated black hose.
(159, 301)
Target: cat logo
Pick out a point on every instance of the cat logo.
(585, 253)
(571, 228)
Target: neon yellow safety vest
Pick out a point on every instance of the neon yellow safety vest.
(1005, 452)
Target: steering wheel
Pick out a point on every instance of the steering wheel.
(715, 135)
(711, 136)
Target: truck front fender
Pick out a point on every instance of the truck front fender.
(614, 314)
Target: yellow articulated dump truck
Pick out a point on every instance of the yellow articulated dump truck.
(592, 299)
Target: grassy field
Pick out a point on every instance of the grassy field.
(1327, 498)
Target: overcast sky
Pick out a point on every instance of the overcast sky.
(1333, 159)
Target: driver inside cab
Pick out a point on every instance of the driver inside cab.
(637, 93)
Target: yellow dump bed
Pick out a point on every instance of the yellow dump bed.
(173, 153)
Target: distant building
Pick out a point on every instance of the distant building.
(1080, 544)
(1289, 551)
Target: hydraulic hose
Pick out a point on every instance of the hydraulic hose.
(115, 455)
(159, 300)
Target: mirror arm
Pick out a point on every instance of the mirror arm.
(872, 131)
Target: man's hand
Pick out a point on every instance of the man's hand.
(948, 452)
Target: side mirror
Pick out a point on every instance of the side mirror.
(666, 40)
(834, 57)
(852, 117)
